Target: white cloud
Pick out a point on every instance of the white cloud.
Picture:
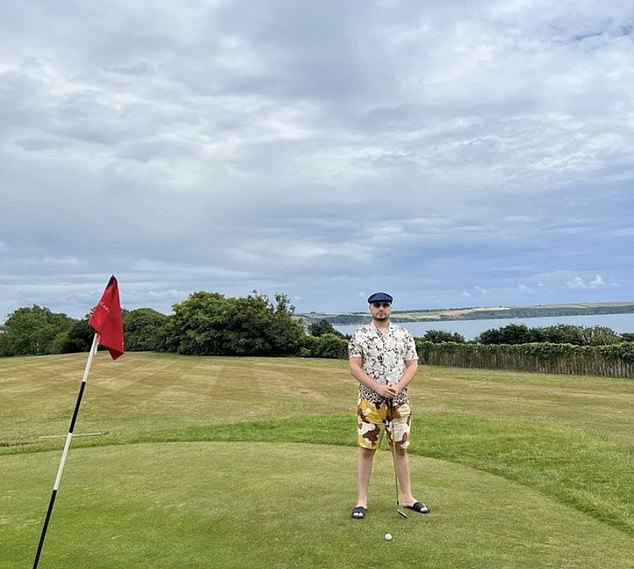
(596, 282)
(317, 149)
(577, 283)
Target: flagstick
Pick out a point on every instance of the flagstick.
(69, 437)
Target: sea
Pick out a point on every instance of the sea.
(469, 329)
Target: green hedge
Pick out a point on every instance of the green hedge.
(616, 360)
(325, 346)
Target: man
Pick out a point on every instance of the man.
(383, 360)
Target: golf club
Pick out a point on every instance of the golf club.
(402, 514)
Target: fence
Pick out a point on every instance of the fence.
(609, 361)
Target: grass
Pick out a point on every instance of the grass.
(208, 462)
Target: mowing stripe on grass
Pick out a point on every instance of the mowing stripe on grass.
(252, 505)
(574, 468)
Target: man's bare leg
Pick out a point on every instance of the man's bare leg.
(402, 473)
(364, 471)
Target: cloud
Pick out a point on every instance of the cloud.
(526, 289)
(596, 282)
(317, 150)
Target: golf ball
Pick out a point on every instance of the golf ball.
(388, 536)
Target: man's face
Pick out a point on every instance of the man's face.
(380, 310)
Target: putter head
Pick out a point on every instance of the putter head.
(403, 515)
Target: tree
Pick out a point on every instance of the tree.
(440, 336)
(197, 323)
(247, 326)
(580, 335)
(321, 327)
(3, 344)
(324, 346)
(332, 346)
(625, 337)
(32, 331)
(558, 334)
(509, 334)
(209, 324)
(78, 338)
(287, 332)
(142, 329)
(563, 334)
(599, 336)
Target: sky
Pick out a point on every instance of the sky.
(453, 154)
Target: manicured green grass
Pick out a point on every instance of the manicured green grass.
(206, 464)
(283, 505)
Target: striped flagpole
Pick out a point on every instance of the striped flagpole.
(69, 438)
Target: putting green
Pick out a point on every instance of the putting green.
(228, 505)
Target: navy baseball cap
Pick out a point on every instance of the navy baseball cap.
(379, 297)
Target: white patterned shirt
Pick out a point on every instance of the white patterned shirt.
(384, 356)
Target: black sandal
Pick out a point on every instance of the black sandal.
(419, 507)
(359, 512)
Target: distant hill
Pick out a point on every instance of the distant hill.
(478, 313)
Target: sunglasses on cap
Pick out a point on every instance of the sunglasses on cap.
(381, 304)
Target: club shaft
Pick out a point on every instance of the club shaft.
(393, 448)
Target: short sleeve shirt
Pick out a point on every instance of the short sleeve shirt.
(384, 356)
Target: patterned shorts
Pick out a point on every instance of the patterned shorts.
(373, 421)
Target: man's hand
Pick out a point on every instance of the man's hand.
(388, 391)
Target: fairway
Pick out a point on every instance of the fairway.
(207, 462)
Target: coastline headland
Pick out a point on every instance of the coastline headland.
(478, 313)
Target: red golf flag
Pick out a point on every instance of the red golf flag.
(106, 319)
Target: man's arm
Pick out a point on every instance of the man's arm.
(356, 369)
(411, 367)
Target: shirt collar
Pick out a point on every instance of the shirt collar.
(387, 331)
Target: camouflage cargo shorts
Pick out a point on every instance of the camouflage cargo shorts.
(373, 421)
